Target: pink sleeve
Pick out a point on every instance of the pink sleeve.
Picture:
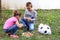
(15, 20)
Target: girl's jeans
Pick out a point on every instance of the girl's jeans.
(11, 30)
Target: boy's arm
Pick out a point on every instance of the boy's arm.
(18, 24)
(26, 15)
(35, 16)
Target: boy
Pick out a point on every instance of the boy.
(29, 17)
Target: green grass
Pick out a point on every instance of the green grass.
(50, 17)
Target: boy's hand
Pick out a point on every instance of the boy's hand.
(27, 18)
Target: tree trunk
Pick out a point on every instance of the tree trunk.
(0, 10)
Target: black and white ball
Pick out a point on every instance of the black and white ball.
(44, 29)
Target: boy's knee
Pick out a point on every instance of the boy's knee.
(32, 28)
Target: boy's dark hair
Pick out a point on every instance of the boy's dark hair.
(27, 4)
(17, 13)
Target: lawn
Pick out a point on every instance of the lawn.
(50, 17)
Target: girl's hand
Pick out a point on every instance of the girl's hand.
(19, 25)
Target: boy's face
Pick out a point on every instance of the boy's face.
(29, 7)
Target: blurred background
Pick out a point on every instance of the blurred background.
(48, 12)
(37, 4)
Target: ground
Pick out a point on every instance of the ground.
(50, 17)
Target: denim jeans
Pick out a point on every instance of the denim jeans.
(29, 26)
(11, 30)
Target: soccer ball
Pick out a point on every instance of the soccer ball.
(44, 29)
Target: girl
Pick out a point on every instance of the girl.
(11, 25)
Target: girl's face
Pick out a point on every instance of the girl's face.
(18, 17)
(29, 7)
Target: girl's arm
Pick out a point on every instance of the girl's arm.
(18, 24)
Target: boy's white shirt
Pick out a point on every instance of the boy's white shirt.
(32, 10)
